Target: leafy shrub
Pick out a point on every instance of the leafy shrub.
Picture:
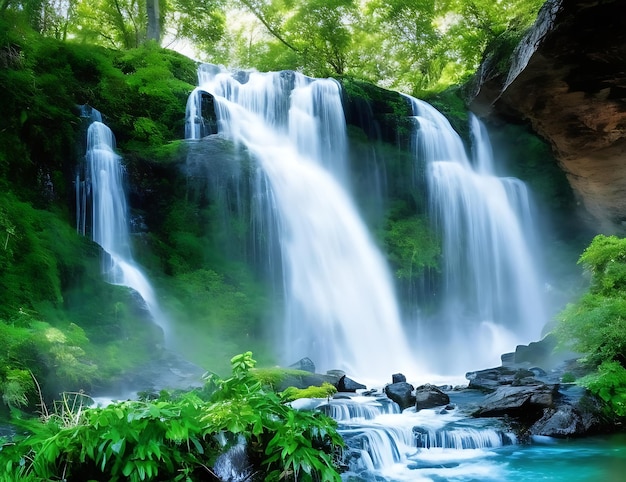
(609, 383)
(15, 387)
(596, 324)
(178, 437)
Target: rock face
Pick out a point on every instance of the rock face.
(536, 401)
(516, 401)
(429, 396)
(568, 79)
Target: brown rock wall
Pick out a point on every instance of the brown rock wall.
(569, 82)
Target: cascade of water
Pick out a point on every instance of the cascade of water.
(340, 305)
(491, 297)
(103, 186)
(384, 444)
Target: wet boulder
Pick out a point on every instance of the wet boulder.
(537, 353)
(492, 378)
(397, 378)
(429, 396)
(564, 421)
(401, 393)
(520, 401)
(346, 384)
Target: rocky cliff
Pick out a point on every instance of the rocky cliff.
(568, 80)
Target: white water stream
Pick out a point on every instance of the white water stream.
(491, 299)
(340, 308)
(103, 189)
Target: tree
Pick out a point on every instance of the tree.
(202, 22)
(126, 24)
(317, 32)
(153, 31)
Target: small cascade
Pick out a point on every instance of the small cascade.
(102, 189)
(340, 306)
(383, 443)
(491, 297)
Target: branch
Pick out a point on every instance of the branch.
(259, 15)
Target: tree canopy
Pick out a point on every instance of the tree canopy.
(408, 45)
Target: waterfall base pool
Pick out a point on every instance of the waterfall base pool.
(446, 444)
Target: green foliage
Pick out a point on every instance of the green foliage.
(292, 445)
(412, 247)
(609, 383)
(605, 258)
(178, 437)
(51, 353)
(415, 46)
(16, 386)
(596, 324)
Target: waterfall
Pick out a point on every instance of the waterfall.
(491, 297)
(102, 187)
(340, 306)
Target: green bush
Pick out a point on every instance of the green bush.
(595, 325)
(609, 383)
(178, 437)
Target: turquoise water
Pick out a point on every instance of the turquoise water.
(435, 445)
(586, 460)
(590, 459)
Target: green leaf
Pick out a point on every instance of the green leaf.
(118, 447)
(128, 468)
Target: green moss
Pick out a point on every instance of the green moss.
(452, 103)
(325, 391)
(275, 377)
(390, 110)
(412, 247)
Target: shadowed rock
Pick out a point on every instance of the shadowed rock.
(516, 401)
(401, 393)
(429, 396)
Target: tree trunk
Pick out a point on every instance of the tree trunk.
(154, 25)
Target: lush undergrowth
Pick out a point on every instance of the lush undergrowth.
(595, 325)
(178, 436)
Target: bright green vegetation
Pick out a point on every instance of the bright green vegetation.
(415, 46)
(412, 247)
(326, 390)
(177, 436)
(595, 325)
(50, 276)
